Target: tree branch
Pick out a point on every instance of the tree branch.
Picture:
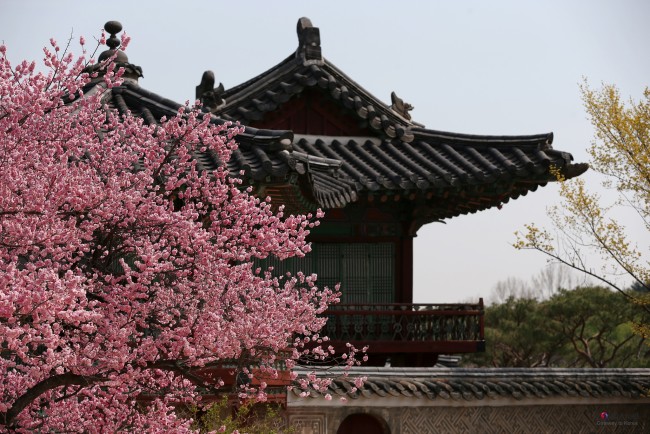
(23, 401)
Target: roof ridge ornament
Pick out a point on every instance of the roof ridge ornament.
(113, 28)
(400, 107)
(131, 71)
(308, 42)
(210, 96)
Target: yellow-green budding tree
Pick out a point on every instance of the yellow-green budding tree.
(583, 223)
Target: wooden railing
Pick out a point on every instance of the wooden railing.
(408, 328)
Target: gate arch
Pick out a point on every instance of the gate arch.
(363, 423)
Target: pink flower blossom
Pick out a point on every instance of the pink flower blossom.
(114, 281)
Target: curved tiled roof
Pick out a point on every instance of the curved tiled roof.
(131, 97)
(489, 383)
(487, 170)
(249, 101)
(403, 159)
(440, 164)
(443, 174)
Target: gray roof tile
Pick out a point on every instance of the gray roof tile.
(472, 172)
(481, 383)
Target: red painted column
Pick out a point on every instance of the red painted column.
(404, 273)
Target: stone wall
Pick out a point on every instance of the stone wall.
(476, 400)
(627, 418)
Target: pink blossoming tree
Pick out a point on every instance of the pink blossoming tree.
(126, 272)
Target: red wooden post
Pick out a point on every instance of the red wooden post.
(481, 319)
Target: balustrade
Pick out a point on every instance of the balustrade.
(416, 323)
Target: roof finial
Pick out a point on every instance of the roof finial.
(308, 42)
(121, 60)
(113, 27)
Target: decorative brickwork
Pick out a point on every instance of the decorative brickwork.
(521, 419)
(483, 400)
(306, 423)
(628, 418)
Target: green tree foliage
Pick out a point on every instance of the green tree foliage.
(516, 336)
(598, 324)
(585, 327)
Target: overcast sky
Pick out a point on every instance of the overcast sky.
(481, 67)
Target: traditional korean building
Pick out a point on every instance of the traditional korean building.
(380, 176)
(314, 138)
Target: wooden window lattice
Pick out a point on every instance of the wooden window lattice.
(366, 271)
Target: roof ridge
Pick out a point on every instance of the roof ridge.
(528, 139)
(405, 372)
(265, 92)
(236, 88)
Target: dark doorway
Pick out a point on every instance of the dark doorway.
(362, 424)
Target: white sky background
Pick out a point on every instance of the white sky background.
(479, 67)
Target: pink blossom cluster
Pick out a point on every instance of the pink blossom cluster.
(125, 271)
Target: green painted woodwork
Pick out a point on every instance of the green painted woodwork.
(366, 271)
